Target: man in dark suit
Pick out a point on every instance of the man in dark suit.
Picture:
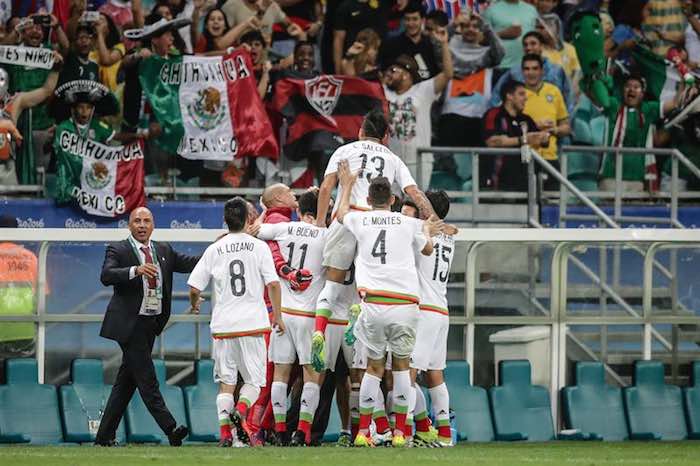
(141, 272)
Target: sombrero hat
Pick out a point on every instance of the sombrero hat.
(159, 27)
(85, 91)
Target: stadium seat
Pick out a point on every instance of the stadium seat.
(200, 402)
(470, 404)
(592, 407)
(84, 399)
(141, 427)
(333, 430)
(28, 410)
(521, 411)
(445, 180)
(654, 409)
(691, 401)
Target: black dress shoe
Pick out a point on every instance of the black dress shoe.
(107, 443)
(177, 435)
(298, 439)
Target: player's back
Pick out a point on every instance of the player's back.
(385, 264)
(370, 160)
(433, 272)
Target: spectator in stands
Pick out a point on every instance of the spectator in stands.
(692, 31)
(476, 49)
(436, 19)
(410, 101)
(545, 7)
(109, 51)
(303, 62)
(255, 42)
(217, 35)
(503, 127)
(11, 106)
(665, 25)
(78, 64)
(351, 17)
(631, 124)
(511, 19)
(395, 18)
(412, 42)
(545, 105)
(269, 13)
(556, 50)
(361, 58)
(307, 14)
(628, 30)
(184, 9)
(554, 74)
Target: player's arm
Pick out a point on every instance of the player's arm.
(347, 180)
(195, 300)
(431, 227)
(418, 197)
(324, 198)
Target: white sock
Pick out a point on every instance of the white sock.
(421, 405)
(368, 393)
(411, 407)
(379, 409)
(354, 404)
(390, 407)
(248, 394)
(440, 398)
(224, 407)
(278, 397)
(309, 401)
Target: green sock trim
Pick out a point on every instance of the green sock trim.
(281, 417)
(364, 411)
(327, 313)
(378, 414)
(245, 401)
(420, 416)
(225, 422)
(308, 417)
(443, 422)
(401, 409)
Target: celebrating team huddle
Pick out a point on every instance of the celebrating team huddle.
(365, 284)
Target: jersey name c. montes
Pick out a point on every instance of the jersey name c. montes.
(241, 266)
(301, 244)
(372, 160)
(385, 265)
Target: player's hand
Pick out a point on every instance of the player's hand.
(433, 226)
(279, 326)
(302, 280)
(149, 270)
(441, 36)
(195, 307)
(450, 229)
(253, 229)
(345, 177)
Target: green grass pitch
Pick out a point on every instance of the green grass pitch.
(554, 453)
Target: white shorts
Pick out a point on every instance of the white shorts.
(430, 352)
(296, 341)
(244, 355)
(339, 251)
(385, 328)
(335, 343)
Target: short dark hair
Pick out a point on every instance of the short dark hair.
(374, 124)
(636, 77)
(439, 16)
(236, 214)
(414, 7)
(87, 28)
(308, 203)
(252, 36)
(510, 87)
(534, 34)
(379, 191)
(303, 43)
(440, 202)
(410, 203)
(532, 57)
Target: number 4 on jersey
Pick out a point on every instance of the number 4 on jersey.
(379, 248)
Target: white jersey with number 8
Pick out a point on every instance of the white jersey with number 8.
(371, 160)
(241, 266)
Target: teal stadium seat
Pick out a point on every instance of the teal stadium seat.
(654, 409)
(470, 404)
(141, 427)
(84, 399)
(521, 411)
(332, 432)
(28, 410)
(200, 401)
(593, 407)
(691, 401)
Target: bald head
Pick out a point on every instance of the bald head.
(279, 195)
(141, 224)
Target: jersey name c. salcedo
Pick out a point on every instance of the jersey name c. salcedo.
(241, 266)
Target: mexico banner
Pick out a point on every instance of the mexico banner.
(33, 57)
(208, 107)
(104, 180)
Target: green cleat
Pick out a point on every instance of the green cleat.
(349, 330)
(318, 351)
(344, 440)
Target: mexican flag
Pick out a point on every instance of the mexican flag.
(208, 107)
(104, 180)
(661, 76)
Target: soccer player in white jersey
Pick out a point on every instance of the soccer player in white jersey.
(241, 267)
(370, 158)
(430, 352)
(301, 244)
(385, 271)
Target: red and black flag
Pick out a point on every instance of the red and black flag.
(324, 112)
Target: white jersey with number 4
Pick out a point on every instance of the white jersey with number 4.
(301, 244)
(241, 266)
(385, 266)
(433, 272)
(371, 159)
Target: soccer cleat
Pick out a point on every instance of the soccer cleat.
(444, 442)
(363, 440)
(279, 439)
(242, 430)
(398, 441)
(352, 319)
(298, 439)
(383, 439)
(318, 351)
(238, 444)
(225, 443)
(425, 440)
(345, 440)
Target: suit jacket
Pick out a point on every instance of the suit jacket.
(123, 309)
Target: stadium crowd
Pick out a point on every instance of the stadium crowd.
(449, 68)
